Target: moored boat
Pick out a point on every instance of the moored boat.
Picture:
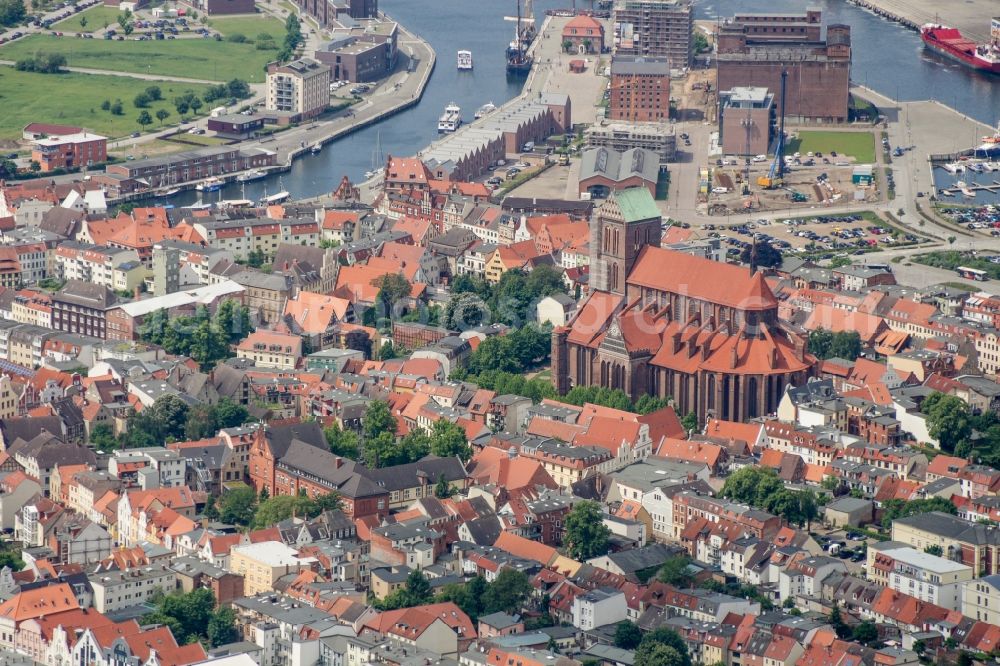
(951, 43)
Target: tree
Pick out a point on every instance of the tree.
(465, 310)
(8, 168)
(264, 495)
(675, 572)
(12, 12)
(282, 507)
(819, 343)
(83, 22)
(628, 635)
(508, 592)
(201, 422)
(865, 633)
(106, 105)
(161, 115)
(753, 485)
(761, 255)
(443, 489)
(948, 419)
(211, 512)
(117, 108)
(141, 101)
(359, 340)
(690, 422)
(598, 395)
(187, 615)
(237, 506)
(128, 28)
(934, 549)
(9, 557)
(825, 344)
(195, 104)
(102, 437)
(144, 118)
(837, 622)
(379, 419)
(392, 288)
(658, 654)
(171, 413)
(895, 509)
(699, 42)
(342, 442)
(448, 439)
(416, 592)
(230, 414)
(670, 638)
(647, 404)
(387, 352)
(567, 45)
(846, 345)
(586, 535)
(222, 627)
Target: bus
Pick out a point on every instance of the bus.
(972, 274)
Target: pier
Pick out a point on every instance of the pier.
(971, 17)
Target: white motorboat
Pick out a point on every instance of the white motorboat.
(485, 110)
(451, 119)
(464, 60)
(253, 174)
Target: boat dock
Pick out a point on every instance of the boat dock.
(971, 188)
(971, 17)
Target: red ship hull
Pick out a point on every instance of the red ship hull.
(950, 43)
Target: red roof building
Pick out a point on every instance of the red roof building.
(661, 323)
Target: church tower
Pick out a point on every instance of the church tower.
(619, 229)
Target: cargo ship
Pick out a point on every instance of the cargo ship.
(950, 42)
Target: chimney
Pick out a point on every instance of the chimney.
(338, 462)
(136, 292)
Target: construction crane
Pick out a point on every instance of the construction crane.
(777, 171)
(748, 126)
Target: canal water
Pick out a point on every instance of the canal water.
(887, 57)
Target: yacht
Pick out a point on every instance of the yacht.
(282, 195)
(485, 110)
(451, 119)
(253, 174)
(210, 185)
(316, 149)
(464, 60)
(171, 192)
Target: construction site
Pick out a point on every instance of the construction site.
(760, 165)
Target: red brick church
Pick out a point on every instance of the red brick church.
(666, 323)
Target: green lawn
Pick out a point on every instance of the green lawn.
(96, 18)
(191, 58)
(75, 99)
(250, 26)
(859, 145)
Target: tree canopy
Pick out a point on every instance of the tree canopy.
(761, 487)
(948, 418)
(205, 340)
(586, 535)
(825, 344)
(192, 617)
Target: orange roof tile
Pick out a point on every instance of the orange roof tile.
(526, 548)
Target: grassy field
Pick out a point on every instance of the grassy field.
(97, 17)
(190, 58)
(75, 99)
(859, 145)
(249, 26)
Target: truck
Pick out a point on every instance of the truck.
(218, 111)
